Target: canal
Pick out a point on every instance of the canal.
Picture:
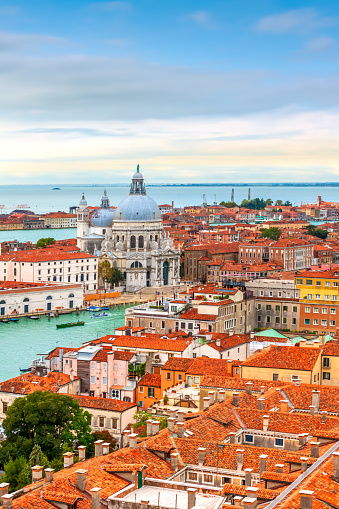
(20, 342)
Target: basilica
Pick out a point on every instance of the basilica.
(131, 238)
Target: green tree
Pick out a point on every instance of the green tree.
(142, 417)
(287, 204)
(106, 437)
(278, 203)
(255, 204)
(15, 473)
(104, 271)
(49, 420)
(228, 204)
(44, 242)
(316, 232)
(272, 233)
(269, 201)
(116, 276)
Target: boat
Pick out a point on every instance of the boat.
(25, 370)
(92, 308)
(104, 308)
(33, 317)
(100, 315)
(14, 319)
(69, 324)
(4, 320)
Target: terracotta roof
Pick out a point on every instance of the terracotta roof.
(28, 383)
(205, 365)
(151, 380)
(177, 364)
(285, 357)
(193, 314)
(123, 356)
(150, 341)
(113, 405)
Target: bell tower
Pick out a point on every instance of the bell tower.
(82, 220)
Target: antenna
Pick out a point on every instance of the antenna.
(232, 196)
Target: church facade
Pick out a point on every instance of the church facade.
(131, 238)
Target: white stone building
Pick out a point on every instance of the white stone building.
(131, 238)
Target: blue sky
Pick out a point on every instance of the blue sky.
(197, 91)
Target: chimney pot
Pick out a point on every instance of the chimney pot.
(7, 501)
(174, 461)
(240, 459)
(36, 473)
(105, 448)
(235, 399)
(316, 399)
(221, 395)
(98, 448)
(171, 422)
(306, 499)
(279, 468)
(80, 482)
(284, 406)
(335, 460)
(249, 502)
(312, 409)
(304, 463)
(126, 435)
(232, 437)
(261, 402)
(133, 440)
(149, 427)
(211, 396)
(68, 459)
(180, 416)
(314, 449)
(191, 495)
(49, 474)
(263, 458)
(206, 401)
(202, 455)
(252, 491)
(95, 498)
(248, 476)
(323, 418)
(249, 387)
(3, 489)
(180, 429)
(265, 422)
(155, 427)
(262, 389)
(82, 452)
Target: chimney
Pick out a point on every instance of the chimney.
(303, 463)
(191, 497)
(252, 492)
(155, 427)
(218, 343)
(149, 427)
(98, 448)
(229, 367)
(202, 455)
(3, 490)
(306, 499)
(316, 399)
(180, 429)
(323, 418)
(221, 395)
(284, 406)
(262, 390)
(180, 416)
(80, 482)
(125, 439)
(263, 458)
(261, 403)
(265, 422)
(7, 501)
(335, 460)
(71, 375)
(312, 409)
(235, 401)
(95, 498)
(105, 448)
(206, 401)
(68, 459)
(279, 468)
(174, 461)
(314, 449)
(82, 452)
(211, 396)
(251, 335)
(173, 414)
(133, 440)
(49, 474)
(249, 502)
(171, 422)
(248, 476)
(232, 437)
(238, 500)
(240, 458)
(231, 332)
(36, 473)
(249, 386)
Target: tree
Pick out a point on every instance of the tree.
(228, 204)
(49, 420)
(272, 233)
(255, 204)
(142, 417)
(316, 232)
(287, 204)
(269, 202)
(44, 242)
(116, 276)
(106, 437)
(104, 271)
(278, 203)
(15, 473)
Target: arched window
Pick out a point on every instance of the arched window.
(136, 265)
(117, 238)
(2, 302)
(25, 300)
(151, 237)
(49, 297)
(71, 295)
(156, 238)
(133, 242)
(141, 241)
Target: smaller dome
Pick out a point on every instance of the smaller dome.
(102, 218)
(83, 200)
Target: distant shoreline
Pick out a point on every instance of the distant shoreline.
(232, 184)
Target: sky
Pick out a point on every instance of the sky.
(194, 91)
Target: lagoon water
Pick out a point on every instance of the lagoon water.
(22, 341)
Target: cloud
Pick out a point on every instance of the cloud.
(320, 44)
(110, 6)
(15, 41)
(202, 18)
(298, 19)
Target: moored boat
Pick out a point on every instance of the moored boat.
(69, 324)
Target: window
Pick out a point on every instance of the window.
(196, 379)
(115, 367)
(299, 281)
(315, 321)
(141, 389)
(268, 307)
(279, 442)
(285, 308)
(104, 365)
(180, 377)
(335, 283)
(332, 323)
(294, 321)
(334, 297)
(141, 403)
(133, 242)
(275, 377)
(317, 296)
(327, 283)
(294, 378)
(324, 322)
(277, 319)
(101, 422)
(332, 311)
(295, 309)
(104, 380)
(259, 306)
(193, 476)
(308, 282)
(284, 320)
(309, 296)
(307, 321)
(326, 375)
(316, 310)
(92, 379)
(268, 319)
(115, 423)
(162, 324)
(115, 394)
(326, 362)
(318, 283)
(249, 439)
(307, 309)
(115, 381)
(208, 478)
(151, 325)
(4, 407)
(168, 375)
(151, 392)
(327, 297)
(259, 318)
(277, 308)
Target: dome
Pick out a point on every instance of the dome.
(83, 201)
(102, 217)
(137, 207)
